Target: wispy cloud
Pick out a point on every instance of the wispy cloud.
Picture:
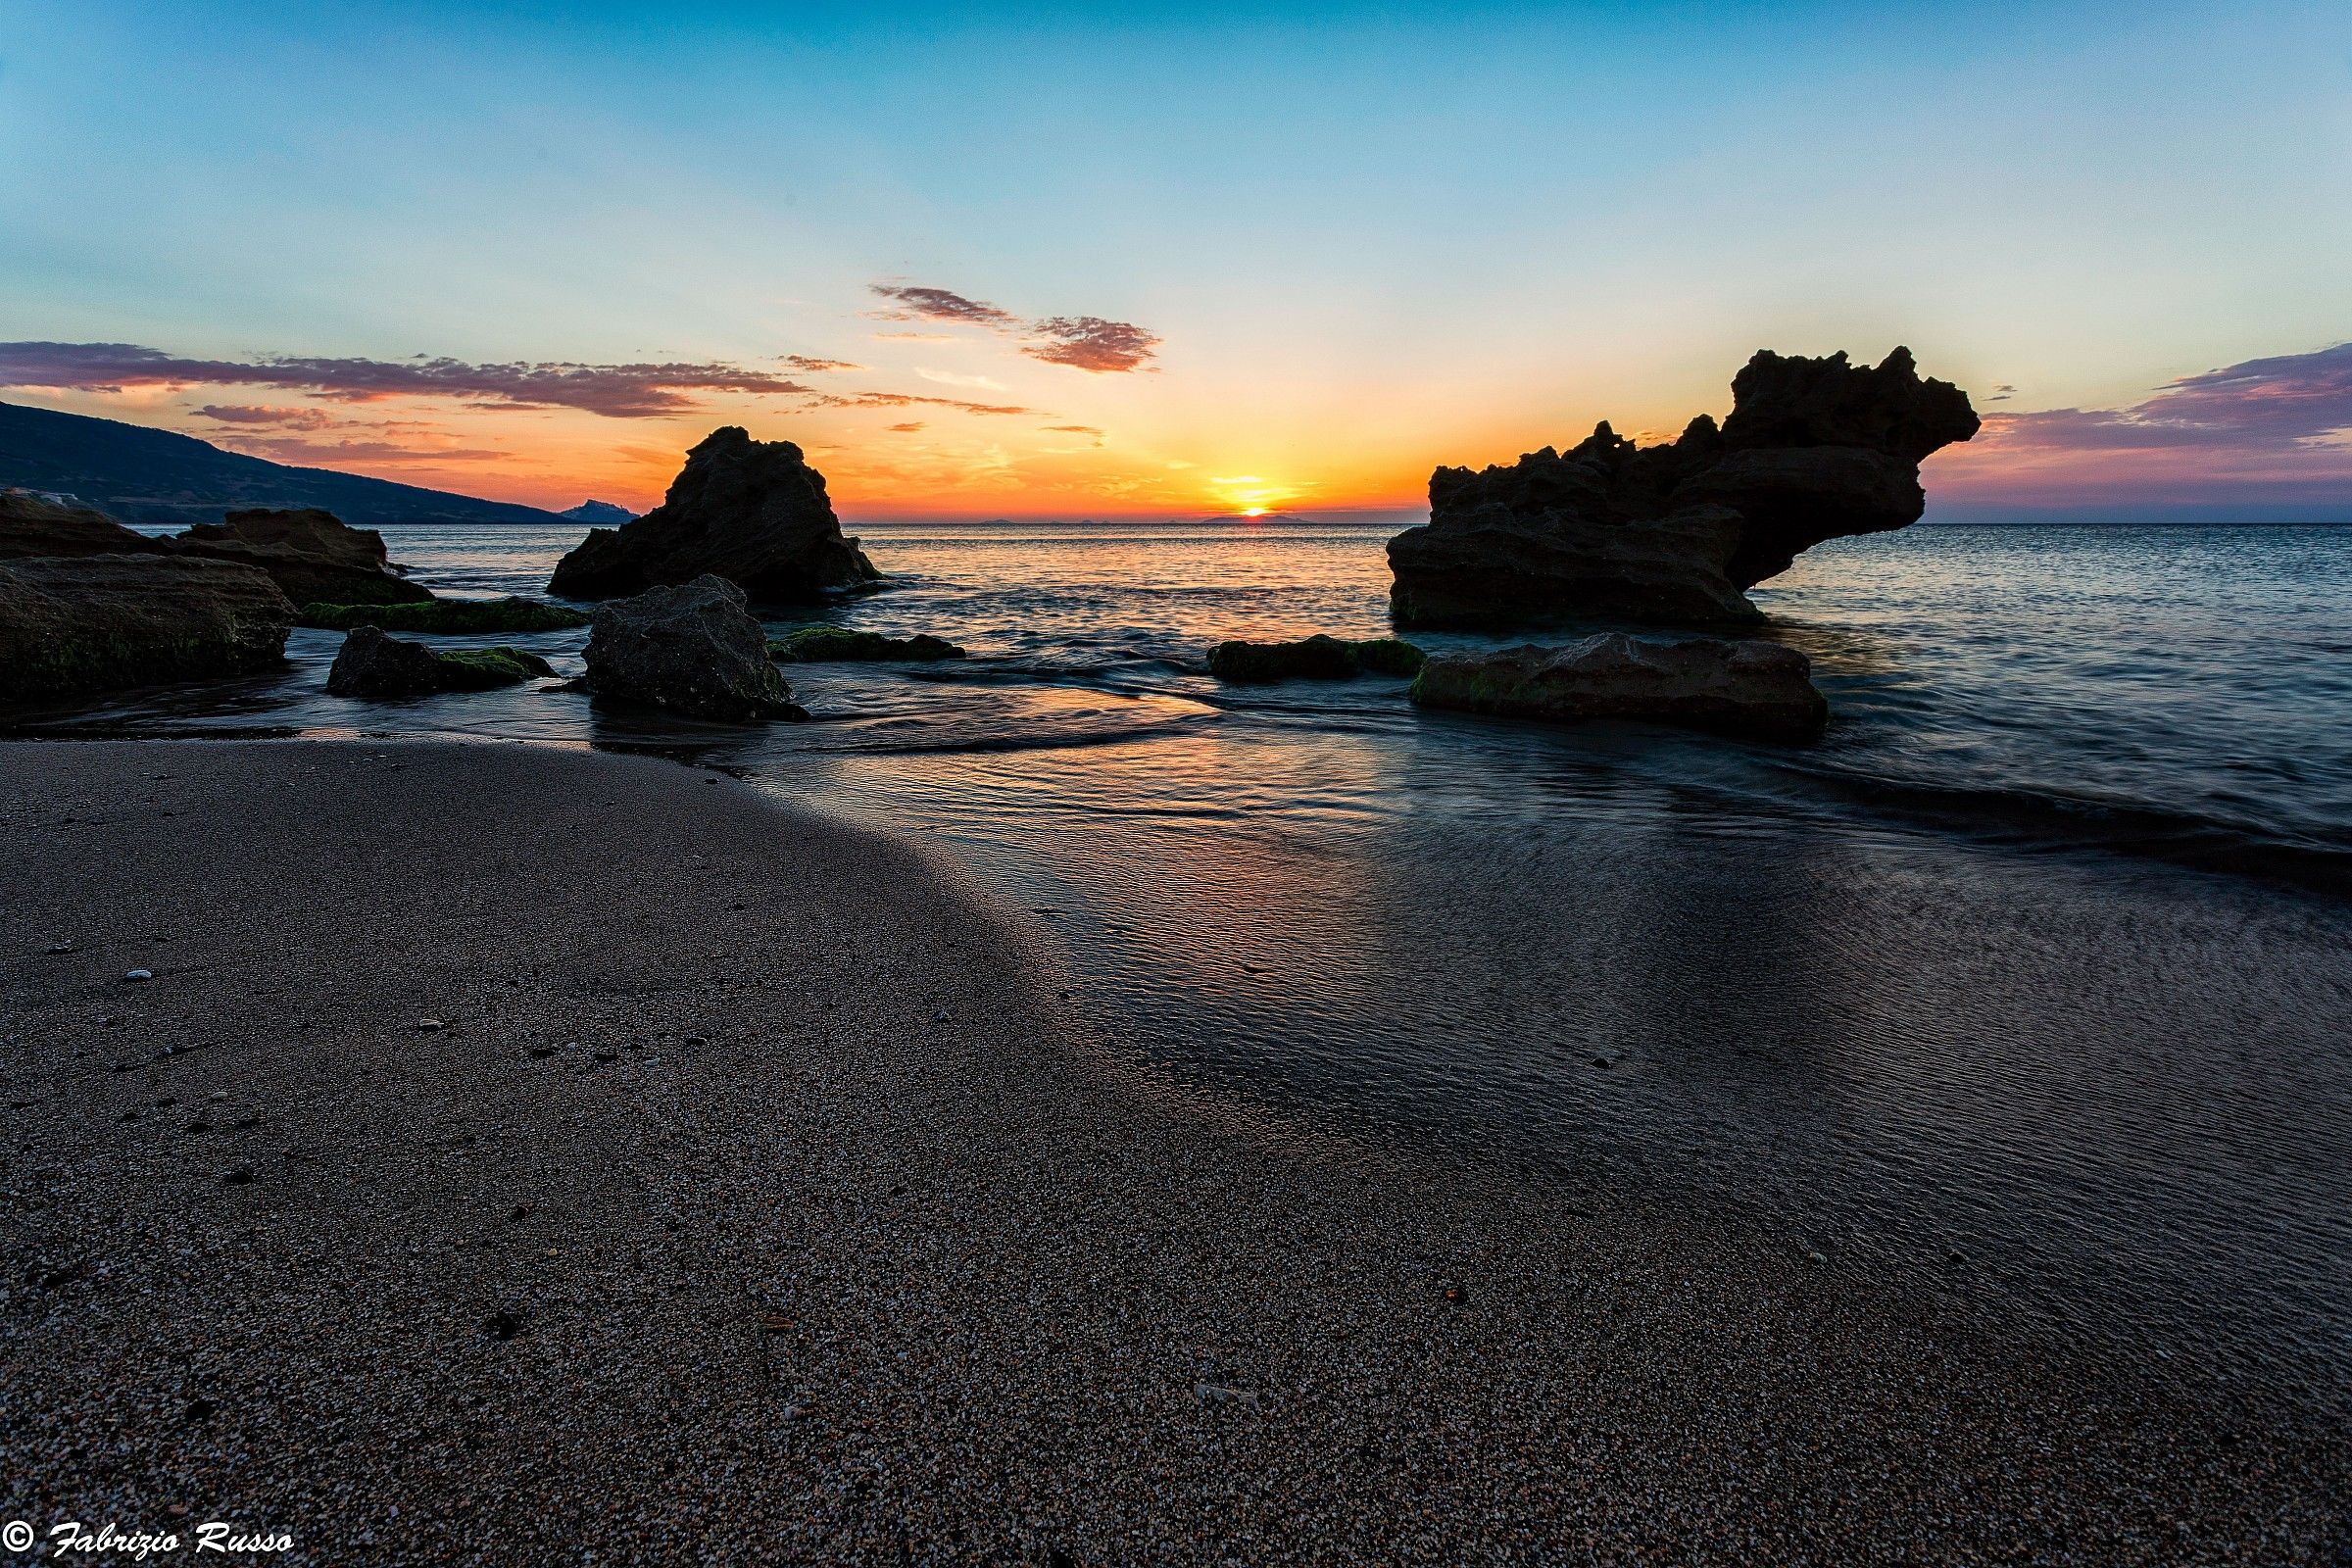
(811, 365)
(959, 378)
(2280, 403)
(908, 428)
(616, 391)
(913, 303)
(255, 414)
(904, 400)
(1091, 343)
(1073, 429)
(2267, 433)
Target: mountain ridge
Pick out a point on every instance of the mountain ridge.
(141, 475)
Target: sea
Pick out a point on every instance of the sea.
(2031, 982)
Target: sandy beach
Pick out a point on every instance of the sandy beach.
(522, 1154)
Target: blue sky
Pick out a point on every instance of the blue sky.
(1363, 241)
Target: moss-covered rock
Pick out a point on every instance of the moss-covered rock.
(462, 617)
(98, 623)
(1316, 658)
(374, 668)
(480, 669)
(815, 645)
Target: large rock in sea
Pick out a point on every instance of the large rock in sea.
(1813, 449)
(312, 555)
(92, 624)
(374, 668)
(694, 649)
(750, 511)
(1734, 686)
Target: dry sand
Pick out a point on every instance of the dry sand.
(531, 1155)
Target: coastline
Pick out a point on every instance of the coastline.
(852, 1280)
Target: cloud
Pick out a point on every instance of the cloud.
(908, 428)
(1091, 343)
(2279, 404)
(345, 454)
(616, 391)
(959, 378)
(904, 400)
(813, 365)
(2238, 443)
(253, 414)
(1075, 429)
(1087, 342)
(914, 337)
(917, 304)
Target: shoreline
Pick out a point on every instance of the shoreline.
(850, 1280)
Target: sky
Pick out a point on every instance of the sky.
(1079, 262)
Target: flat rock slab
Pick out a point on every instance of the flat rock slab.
(1732, 686)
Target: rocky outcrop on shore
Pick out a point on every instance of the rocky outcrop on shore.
(752, 512)
(1317, 658)
(693, 648)
(374, 668)
(98, 623)
(310, 554)
(33, 525)
(823, 645)
(1813, 449)
(1732, 686)
(448, 616)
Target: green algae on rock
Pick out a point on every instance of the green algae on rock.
(813, 645)
(454, 617)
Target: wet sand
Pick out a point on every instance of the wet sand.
(524, 1155)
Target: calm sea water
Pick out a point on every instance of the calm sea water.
(2034, 979)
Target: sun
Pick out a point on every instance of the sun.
(1247, 495)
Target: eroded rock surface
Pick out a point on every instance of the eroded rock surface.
(693, 648)
(1741, 686)
(1813, 449)
(99, 622)
(313, 556)
(752, 512)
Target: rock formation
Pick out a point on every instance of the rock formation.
(1737, 687)
(374, 668)
(310, 554)
(817, 645)
(33, 525)
(694, 649)
(98, 623)
(750, 511)
(1316, 658)
(1813, 449)
(458, 617)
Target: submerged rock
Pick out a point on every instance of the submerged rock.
(454, 617)
(750, 511)
(813, 645)
(1734, 686)
(93, 623)
(1316, 658)
(310, 554)
(693, 648)
(374, 668)
(1813, 449)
